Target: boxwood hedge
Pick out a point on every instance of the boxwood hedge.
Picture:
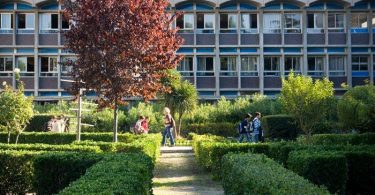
(257, 174)
(46, 147)
(341, 139)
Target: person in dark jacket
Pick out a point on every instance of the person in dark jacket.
(245, 128)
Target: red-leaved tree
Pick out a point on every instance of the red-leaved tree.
(123, 48)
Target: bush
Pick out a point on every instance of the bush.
(16, 171)
(103, 121)
(349, 139)
(38, 123)
(45, 147)
(116, 174)
(322, 168)
(54, 171)
(257, 174)
(278, 127)
(221, 129)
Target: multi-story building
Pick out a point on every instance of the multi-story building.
(231, 48)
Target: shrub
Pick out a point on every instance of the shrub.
(54, 171)
(103, 121)
(38, 123)
(257, 174)
(278, 127)
(224, 129)
(322, 168)
(45, 147)
(349, 139)
(16, 171)
(116, 174)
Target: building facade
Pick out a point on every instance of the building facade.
(231, 48)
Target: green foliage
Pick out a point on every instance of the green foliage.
(54, 171)
(257, 174)
(103, 121)
(342, 139)
(16, 109)
(280, 127)
(356, 109)
(38, 123)
(16, 171)
(46, 147)
(62, 107)
(222, 129)
(322, 168)
(116, 174)
(306, 100)
(153, 111)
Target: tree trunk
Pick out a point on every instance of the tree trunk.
(179, 124)
(8, 137)
(18, 135)
(115, 122)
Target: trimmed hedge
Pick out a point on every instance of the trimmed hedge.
(45, 147)
(220, 129)
(63, 138)
(349, 139)
(117, 174)
(16, 171)
(257, 174)
(322, 168)
(280, 127)
(54, 171)
(38, 123)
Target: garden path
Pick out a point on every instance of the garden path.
(177, 173)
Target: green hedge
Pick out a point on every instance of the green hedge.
(257, 174)
(350, 139)
(220, 129)
(16, 171)
(322, 168)
(46, 147)
(38, 123)
(54, 171)
(118, 174)
(63, 138)
(280, 127)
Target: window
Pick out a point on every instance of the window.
(315, 66)
(205, 23)
(359, 23)
(272, 23)
(292, 63)
(337, 66)
(185, 22)
(48, 66)
(249, 23)
(373, 23)
(26, 23)
(48, 23)
(205, 66)
(359, 63)
(26, 66)
(6, 23)
(315, 23)
(272, 66)
(186, 66)
(336, 22)
(66, 65)
(6, 66)
(228, 23)
(65, 22)
(292, 23)
(249, 66)
(228, 66)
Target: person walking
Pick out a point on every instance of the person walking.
(256, 126)
(245, 128)
(168, 124)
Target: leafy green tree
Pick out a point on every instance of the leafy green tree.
(356, 109)
(306, 100)
(181, 99)
(16, 110)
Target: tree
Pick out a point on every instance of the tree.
(306, 100)
(16, 109)
(123, 48)
(182, 98)
(356, 109)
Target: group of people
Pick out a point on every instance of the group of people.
(141, 126)
(251, 128)
(58, 124)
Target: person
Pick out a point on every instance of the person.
(138, 129)
(168, 124)
(145, 124)
(256, 126)
(245, 128)
(51, 124)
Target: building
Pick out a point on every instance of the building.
(231, 48)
